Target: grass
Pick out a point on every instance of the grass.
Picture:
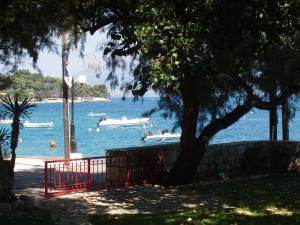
(32, 217)
(266, 200)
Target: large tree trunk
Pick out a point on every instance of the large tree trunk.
(1, 154)
(285, 120)
(193, 149)
(185, 166)
(273, 119)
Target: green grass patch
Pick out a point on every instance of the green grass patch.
(266, 200)
(281, 191)
(32, 217)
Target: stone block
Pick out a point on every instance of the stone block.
(19, 205)
(29, 201)
(5, 207)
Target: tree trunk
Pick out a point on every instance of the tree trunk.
(1, 154)
(192, 148)
(14, 142)
(13, 146)
(5, 190)
(285, 120)
(185, 166)
(273, 118)
(222, 123)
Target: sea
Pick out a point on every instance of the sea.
(94, 142)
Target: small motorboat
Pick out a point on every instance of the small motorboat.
(164, 136)
(91, 114)
(27, 124)
(122, 122)
(3, 121)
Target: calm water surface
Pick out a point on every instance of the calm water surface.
(35, 141)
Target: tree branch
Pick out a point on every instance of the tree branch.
(222, 123)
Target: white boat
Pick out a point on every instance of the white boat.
(162, 137)
(95, 114)
(6, 121)
(123, 122)
(27, 124)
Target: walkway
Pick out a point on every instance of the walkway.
(75, 208)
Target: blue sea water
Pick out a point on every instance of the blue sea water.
(35, 141)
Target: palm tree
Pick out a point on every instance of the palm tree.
(4, 135)
(15, 110)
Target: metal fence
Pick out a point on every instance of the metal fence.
(75, 175)
(117, 168)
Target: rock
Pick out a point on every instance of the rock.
(29, 201)
(19, 205)
(5, 207)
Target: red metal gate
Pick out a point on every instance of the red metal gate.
(118, 168)
(65, 176)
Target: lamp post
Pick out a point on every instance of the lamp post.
(73, 145)
(81, 80)
(65, 98)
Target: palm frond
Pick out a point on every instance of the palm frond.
(25, 107)
(7, 110)
(13, 108)
(4, 134)
(6, 101)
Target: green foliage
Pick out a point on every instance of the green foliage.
(85, 90)
(167, 47)
(16, 107)
(200, 39)
(26, 27)
(35, 85)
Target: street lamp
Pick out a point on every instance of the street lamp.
(65, 74)
(81, 79)
(73, 146)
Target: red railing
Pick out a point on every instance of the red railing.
(118, 168)
(75, 175)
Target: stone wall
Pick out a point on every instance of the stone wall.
(143, 164)
(246, 158)
(231, 159)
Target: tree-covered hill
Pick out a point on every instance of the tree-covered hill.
(39, 87)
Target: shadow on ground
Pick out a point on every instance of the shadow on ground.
(242, 197)
(134, 199)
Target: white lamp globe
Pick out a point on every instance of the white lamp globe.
(81, 79)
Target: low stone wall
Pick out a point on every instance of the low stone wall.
(143, 164)
(246, 158)
(230, 159)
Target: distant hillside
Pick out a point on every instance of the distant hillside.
(39, 87)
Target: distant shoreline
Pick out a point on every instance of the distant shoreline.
(44, 158)
(78, 99)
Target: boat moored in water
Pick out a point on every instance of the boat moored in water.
(165, 135)
(5, 121)
(91, 114)
(27, 124)
(122, 122)
(161, 137)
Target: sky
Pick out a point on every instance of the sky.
(50, 64)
